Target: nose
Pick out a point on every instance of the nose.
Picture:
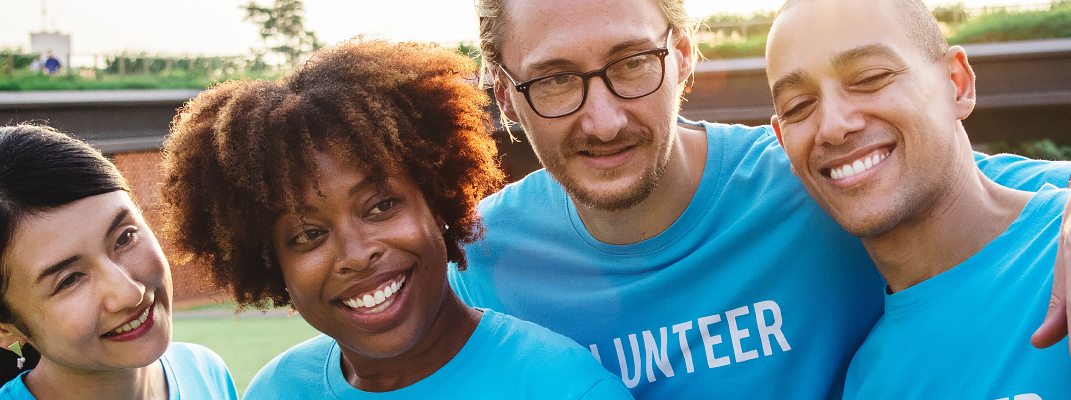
(357, 249)
(601, 115)
(121, 290)
(839, 117)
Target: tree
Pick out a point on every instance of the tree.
(283, 30)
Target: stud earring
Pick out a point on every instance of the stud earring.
(17, 349)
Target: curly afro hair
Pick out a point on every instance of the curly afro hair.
(239, 154)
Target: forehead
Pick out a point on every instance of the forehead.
(579, 31)
(51, 236)
(813, 33)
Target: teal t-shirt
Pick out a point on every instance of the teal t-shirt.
(193, 373)
(754, 292)
(505, 358)
(965, 333)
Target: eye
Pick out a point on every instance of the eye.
(382, 207)
(68, 281)
(126, 238)
(796, 111)
(305, 237)
(873, 80)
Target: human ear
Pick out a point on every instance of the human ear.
(962, 77)
(684, 47)
(9, 334)
(777, 132)
(503, 99)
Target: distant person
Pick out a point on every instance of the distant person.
(344, 190)
(85, 311)
(869, 100)
(35, 65)
(52, 65)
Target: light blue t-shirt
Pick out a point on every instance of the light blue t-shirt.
(753, 293)
(505, 358)
(193, 373)
(965, 333)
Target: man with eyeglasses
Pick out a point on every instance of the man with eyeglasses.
(684, 255)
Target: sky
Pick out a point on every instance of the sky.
(215, 27)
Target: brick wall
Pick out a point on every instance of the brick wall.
(143, 172)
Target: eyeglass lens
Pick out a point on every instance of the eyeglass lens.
(632, 77)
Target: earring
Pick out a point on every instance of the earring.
(17, 349)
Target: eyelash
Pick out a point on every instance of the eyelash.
(131, 234)
(68, 282)
(390, 203)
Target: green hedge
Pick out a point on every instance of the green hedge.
(1003, 26)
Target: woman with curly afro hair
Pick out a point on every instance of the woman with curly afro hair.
(344, 190)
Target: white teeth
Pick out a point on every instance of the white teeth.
(848, 171)
(856, 167)
(127, 327)
(377, 300)
(381, 307)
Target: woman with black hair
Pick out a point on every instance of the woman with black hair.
(85, 284)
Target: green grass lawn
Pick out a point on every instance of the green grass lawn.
(245, 342)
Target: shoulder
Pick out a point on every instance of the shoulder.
(532, 189)
(304, 364)
(199, 371)
(15, 390)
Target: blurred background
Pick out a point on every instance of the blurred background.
(114, 72)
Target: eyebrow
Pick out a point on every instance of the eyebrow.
(876, 49)
(793, 78)
(838, 61)
(60, 266)
(305, 208)
(561, 62)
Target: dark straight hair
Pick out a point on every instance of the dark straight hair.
(41, 169)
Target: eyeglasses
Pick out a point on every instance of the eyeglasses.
(629, 77)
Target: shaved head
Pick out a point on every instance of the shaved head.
(916, 20)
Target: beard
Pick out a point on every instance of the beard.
(610, 200)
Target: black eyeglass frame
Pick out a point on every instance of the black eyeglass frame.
(585, 77)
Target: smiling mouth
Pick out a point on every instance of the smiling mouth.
(377, 299)
(858, 166)
(132, 324)
(605, 152)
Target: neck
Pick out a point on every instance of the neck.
(53, 381)
(962, 221)
(444, 339)
(664, 205)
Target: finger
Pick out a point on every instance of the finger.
(1055, 326)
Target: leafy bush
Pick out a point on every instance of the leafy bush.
(25, 81)
(753, 46)
(1040, 150)
(1004, 26)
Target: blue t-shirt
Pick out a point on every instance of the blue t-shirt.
(505, 358)
(752, 293)
(193, 373)
(965, 333)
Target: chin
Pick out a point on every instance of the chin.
(617, 198)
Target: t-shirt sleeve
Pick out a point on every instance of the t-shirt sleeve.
(1022, 173)
(201, 362)
(608, 388)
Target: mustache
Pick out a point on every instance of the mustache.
(625, 137)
